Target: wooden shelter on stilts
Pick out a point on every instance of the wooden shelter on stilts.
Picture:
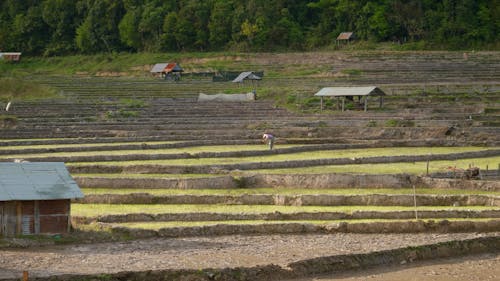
(343, 93)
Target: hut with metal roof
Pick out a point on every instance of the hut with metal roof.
(11, 56)
(343, 93)
(35, 198)
(247, 75)
(169, 71)
(345, 37)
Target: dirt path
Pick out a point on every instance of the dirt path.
(201, 252)
(470, 268)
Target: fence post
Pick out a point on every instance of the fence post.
(415, 202)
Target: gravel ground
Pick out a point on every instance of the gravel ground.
(201, 252)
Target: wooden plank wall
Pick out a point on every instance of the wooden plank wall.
(34, 217)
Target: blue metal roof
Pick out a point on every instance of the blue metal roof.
(37, 181)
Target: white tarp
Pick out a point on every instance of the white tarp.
(226, 97)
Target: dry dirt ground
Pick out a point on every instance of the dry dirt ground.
(203, 252)
(471, 268)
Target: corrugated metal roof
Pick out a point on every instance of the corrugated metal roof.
(246, 75)
(345, 36)
(349, 91)
(166, 67)
(36, 181)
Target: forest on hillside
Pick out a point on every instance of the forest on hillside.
(61, 27)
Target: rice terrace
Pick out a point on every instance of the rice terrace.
(176, 188)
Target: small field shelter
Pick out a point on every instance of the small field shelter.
(247, 75)
(167, 70)
(11, 56)
(35, 198)
(361, 93)
(346, 37)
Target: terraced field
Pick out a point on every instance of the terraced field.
(154, 162)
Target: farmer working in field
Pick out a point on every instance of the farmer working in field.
(270, 140)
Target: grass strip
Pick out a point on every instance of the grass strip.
(95, 210)
(190, 150)
(146, 176)
(160, 225)
(289, 191)
(310, 155)
(50, 146)
(416, 168)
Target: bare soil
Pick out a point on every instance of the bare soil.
(202, 252)
(472, 268)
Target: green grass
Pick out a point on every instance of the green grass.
(128, 63)
(16, 89)
(49, 146)
(390, 168)
(94, 210)
(146, 176)
(190, 150)
(321, 154)
(160, 225)
(416, 168)
(287, 191)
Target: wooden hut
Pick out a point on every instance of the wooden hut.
(361, 93)
(35, 198)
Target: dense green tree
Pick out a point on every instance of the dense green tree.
(60, 16)
(151, 24)
(29, 31)
(169, 40)
(54, 27)
(99, 32)
(129, 29)
(220, 25)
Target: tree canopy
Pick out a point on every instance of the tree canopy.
(59, 27)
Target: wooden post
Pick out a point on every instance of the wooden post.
(36, 217)
(343, 106)
(380, 101)
(321, 103)
(19, 218)
(366, 103)
(415, 202)
(25, 275)
(427, 168)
